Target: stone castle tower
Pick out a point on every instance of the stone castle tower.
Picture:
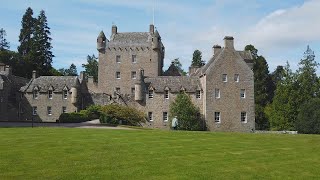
(121, 57)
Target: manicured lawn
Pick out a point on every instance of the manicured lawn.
(65, 153)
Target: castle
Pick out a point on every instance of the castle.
(130, 73)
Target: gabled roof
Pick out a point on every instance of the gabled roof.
(58, 83)
(174, 83)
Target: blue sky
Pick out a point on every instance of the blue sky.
(280, 30)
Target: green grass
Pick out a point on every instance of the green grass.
(65, 153)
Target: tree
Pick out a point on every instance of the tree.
(176, 62)
(42, 45)
(197, 59)
(283, 110)
(91, 68)
(72, 71)
(308, 120)
(276, 77)
(187, 113)
(262, 87)
(26, 33)
(4, 44)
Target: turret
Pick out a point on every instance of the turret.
(138, 94)
(101, 42)
(156, 40)
(74, 95)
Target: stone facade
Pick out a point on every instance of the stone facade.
(130, 73)
(9, 94)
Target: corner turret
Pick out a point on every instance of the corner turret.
(101, 42)
(139, 84)
(156, 40)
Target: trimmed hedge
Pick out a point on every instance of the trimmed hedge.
(74, 117)
(118, 114)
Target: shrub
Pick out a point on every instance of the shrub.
(114, 114)
(74, 117)
(187, 113)
(308, 120)
(94, 111)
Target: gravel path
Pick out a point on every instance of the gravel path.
(89, 124)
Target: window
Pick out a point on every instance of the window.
(236, 78)
(243, 93)
(217, 117)
(134, 58)
(65, 94)
(118, 59)
(35, 94)
(133, 90)
(217, 93)
(34, 110)
(150, 94)
(118, 75)
(117, 89)
(224, 78)
(50, 94)
(198, 94)
(49, 110)
(165, 116)
(133, 75)
(150, 117)
(166, 94)
(243, 117)
(64, 109)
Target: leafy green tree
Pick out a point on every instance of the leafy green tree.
(276, 77)
(308, 120)
(187, 113)
(4, 44)
(283, 111)
(197, 59)
(176, 62)
(72, 71)
(42, 45)
(91, 67)
(262, 87)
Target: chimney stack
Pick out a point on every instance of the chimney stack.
(229, 43)
(34, 74)
(114, 29)
(151, 29)
(216, 49)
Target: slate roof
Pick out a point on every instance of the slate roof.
(45, 82)
(130, 38)
(174, 83)
(172, 71)
(16, 81)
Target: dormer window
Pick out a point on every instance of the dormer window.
(50, 92)
(166, 94)
(35, 94)
(198, 94)
(151, 94)
(65, 94)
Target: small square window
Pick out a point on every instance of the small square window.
(117, 89)
(224, 78)
(217, 117)
(217, 93)
(133, 75)
(118, 75)
(198, 94)
(50, 94)
(134, 58)
(133, 90)
(166, 94)
(64, 109)
(65, 94)
(118, 59)
(165, 116)
(236, 77)
(34, 110)
(243, 93)
(49, 110)
(151, 94)
(150, 116)
(244, 117)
